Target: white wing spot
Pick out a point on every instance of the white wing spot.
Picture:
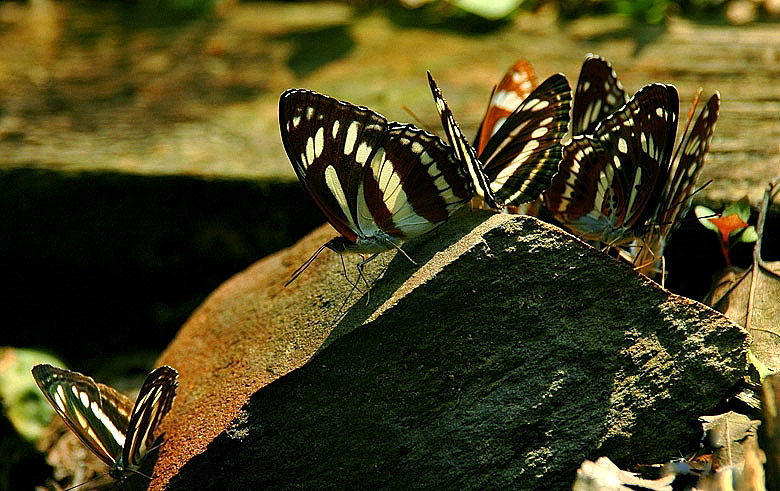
(310, 150)
(59, 398)
(539, 132)
(660, 112)
(309, 113)
(319, 142)
(417, 148)
(622, 145)
(363, 153)
(335, 130)
(296, 120)
(349, 143)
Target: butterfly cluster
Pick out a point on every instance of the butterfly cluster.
(618, 180)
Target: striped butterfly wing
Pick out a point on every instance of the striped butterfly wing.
(598, 94)
(153, 403)
(523, 155)
(413, 183)
(686, 166)
(609, 183)
(331, 172)
(464, 152)
(369, 176)
(518, 82)
(96, 413)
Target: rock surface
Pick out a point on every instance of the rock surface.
(504, 360)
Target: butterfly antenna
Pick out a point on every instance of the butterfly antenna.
(305, 265)
(344, 271)
(340, 313)
(416, 119)
(85, 482)
(139, 473)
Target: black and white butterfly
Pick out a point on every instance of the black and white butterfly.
(609, 183)
(119, 432)
(378, 182)
(522, 154)
(625, 182)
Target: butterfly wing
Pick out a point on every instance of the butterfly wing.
(686, 168)
(154, 401)
(599, 93)
(96, 413)
(511, 91)
(608, 182)
(415, 184)
(464, 152)
(523, 155)
(329, 143)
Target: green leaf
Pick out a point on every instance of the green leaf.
(749, 235)
(704, 214)
(740, 208)
(489, 9)
(763, 370)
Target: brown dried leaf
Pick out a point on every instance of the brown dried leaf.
(727, 434)
(749, 298)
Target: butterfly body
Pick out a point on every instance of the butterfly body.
(119, 432)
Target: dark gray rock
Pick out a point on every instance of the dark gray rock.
(504, 361)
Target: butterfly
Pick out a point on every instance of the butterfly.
(378, 182)
(517, 155)
(598, 94)
(624, 183)
(119, 432)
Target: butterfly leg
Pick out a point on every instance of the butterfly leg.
(360, 268)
